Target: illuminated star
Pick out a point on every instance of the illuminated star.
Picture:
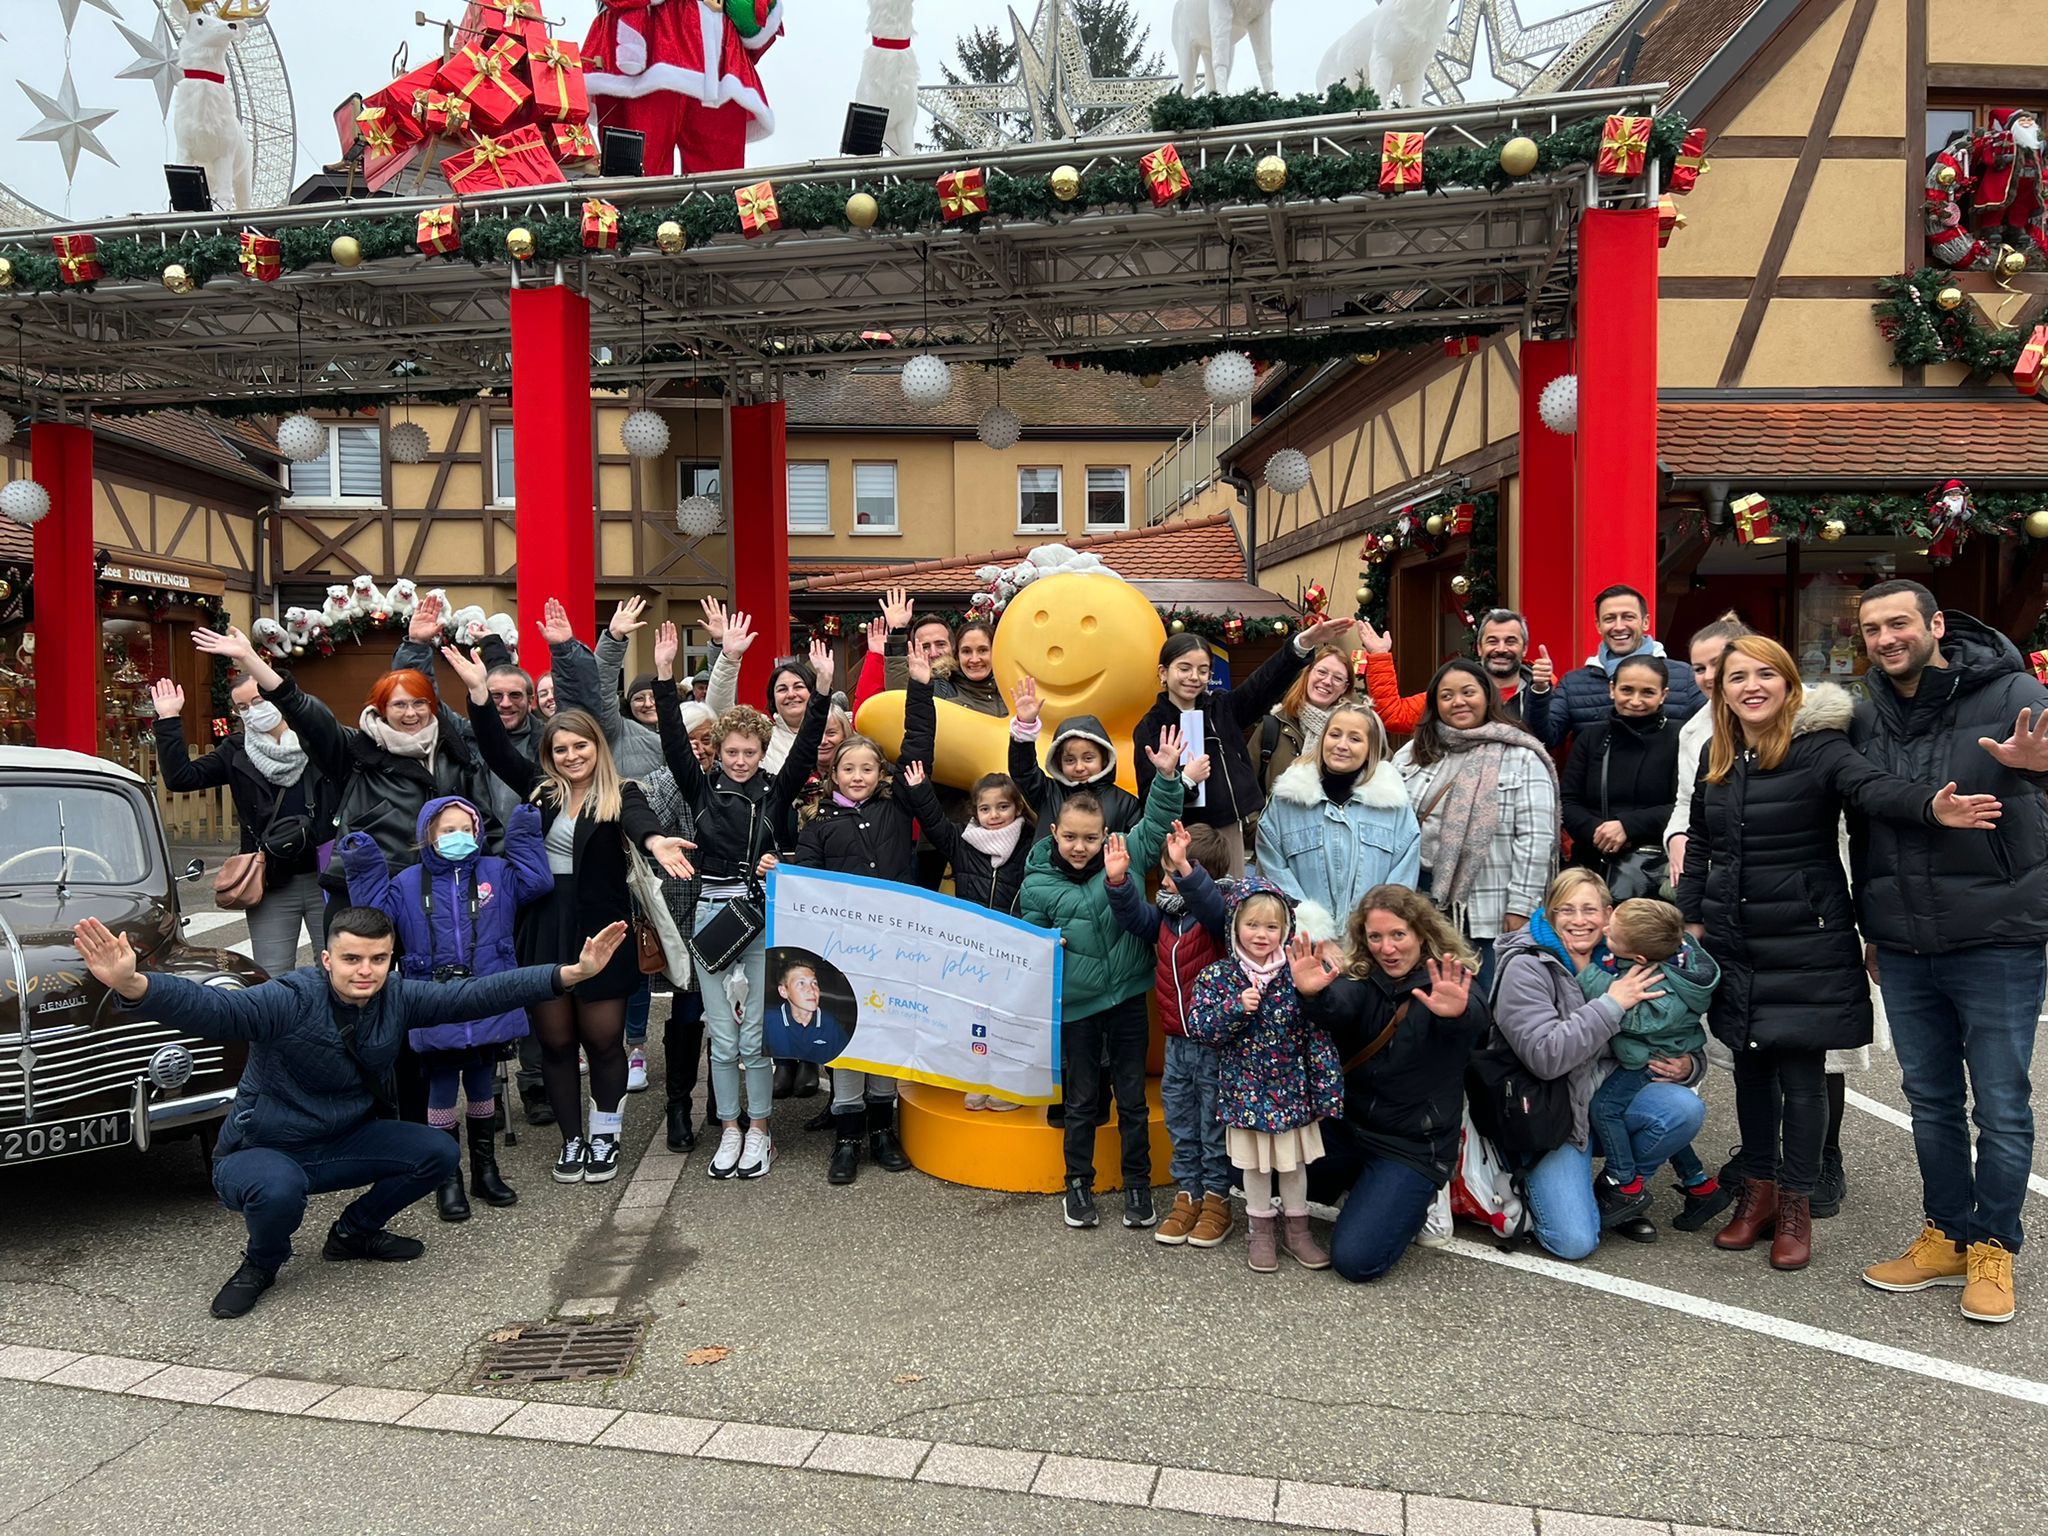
(70, 10)
(156, 60)
(66, 124)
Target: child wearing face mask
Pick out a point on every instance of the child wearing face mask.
(1278, 1076)
(861, 829)
(456, 912)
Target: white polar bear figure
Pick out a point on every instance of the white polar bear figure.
(1389, 50)
(1206, 32)
(204, 125)
(888, 71)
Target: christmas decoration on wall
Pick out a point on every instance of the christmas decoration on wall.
(301, 439)
(1558, 405)
(1288, 472)
(2026, 373)
(1461, 515)
(600, 225)
(2037, 523)
(24, 502)
(698, 517)
(1922, 329)
(1752, 515)
(1270, 173)
(644, 434)
(1065, 182)
(670, 239)
(438, 231)
(261, 257)
(78, 259)
(1950, 511)
(409, 443)
(927, 379)
(1165, 177)
(206, 129)
(1923, 518)
(759, 211)
(1229, 377)
(861, 212)
(1401, 162)
(177, 279)
(963, 194)
(1692, 162)
(999, 428)
(346, 250)
(1624, 146)
(519, 243)
(1983, 204)
(1051, 91)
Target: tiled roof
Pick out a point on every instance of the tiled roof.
(223, 448)
(871, 395)
(1854, 440)
(1679, 41)
(1198, 549)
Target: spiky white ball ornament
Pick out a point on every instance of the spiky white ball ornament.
(6, 429)
(645, 434)
(1000, 427)
(697, 517)
(1287, 472)
(409, 443)
(1558, 405)
(24, 502)
(301, 439)
(1229, 377)
(927, 379)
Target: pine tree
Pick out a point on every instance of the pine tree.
(1118, 45)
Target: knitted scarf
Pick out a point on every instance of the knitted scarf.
(1467, 811)
(281, 760)
(421, 744)
(1311, 720)
(994, 843)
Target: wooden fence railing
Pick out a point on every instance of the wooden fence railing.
(204, 816)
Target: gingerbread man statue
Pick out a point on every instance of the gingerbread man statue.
(682, 73)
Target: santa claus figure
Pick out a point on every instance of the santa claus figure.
(682, 73)
(1984, 193)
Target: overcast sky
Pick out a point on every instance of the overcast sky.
(335, 47)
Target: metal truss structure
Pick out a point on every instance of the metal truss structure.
(750, 311)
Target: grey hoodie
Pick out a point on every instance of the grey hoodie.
(1550, 1023)
(1046, 789)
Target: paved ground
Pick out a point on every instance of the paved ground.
(1671, 1383)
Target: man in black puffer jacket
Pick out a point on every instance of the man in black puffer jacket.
(1580, 699)
(1957, 927)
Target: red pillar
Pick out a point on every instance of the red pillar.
(552, 459)
(1617, 436)
(67, 612)
(758, 498)
(1546, 535)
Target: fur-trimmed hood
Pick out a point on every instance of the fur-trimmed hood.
(1826, 707)
(1086, 728)
(1302, 784)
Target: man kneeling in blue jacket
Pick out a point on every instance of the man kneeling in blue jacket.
(307, 1117)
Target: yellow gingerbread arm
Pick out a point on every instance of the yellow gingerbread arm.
(970, 743)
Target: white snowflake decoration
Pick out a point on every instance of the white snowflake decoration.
(1000, 428)
(301, 439)
(25, 502)
(927, 379)
(409, 443)
(698, 517)
(1287, 472)
(1229, 377)
(645, 434)
(1558, 405)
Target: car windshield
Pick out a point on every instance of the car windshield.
(80, 833)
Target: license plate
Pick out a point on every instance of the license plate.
(61, 1138)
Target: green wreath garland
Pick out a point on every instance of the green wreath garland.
(1922, 332)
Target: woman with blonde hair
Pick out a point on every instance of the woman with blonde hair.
(1763, 884)
(1404, 1015)
(1289, 730)
(591, 823)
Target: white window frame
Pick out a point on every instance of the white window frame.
(334, 496)
(808, 530)
(501, 447)
(691, 480)
(1059, 494)
(1123, 472)
(894, 527)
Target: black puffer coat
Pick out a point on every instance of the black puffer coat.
(1232, 792)
(877, 838)
(737, 822)
(1763, 872)
(1642, 782)
(1928, 890)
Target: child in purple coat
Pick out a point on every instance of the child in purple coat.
(456, 912)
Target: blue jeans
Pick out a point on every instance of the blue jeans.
(1660, 1119)
(1187, 1092)
(638, 1006)
(1484, 981)
(269, 1185)
(1970, 1012)
(1607, 1118)
(1385, 1209)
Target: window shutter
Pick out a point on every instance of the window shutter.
(360, 450)
(810, 498)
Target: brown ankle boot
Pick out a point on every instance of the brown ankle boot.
(1756, 1213)
(1792, 1248)
(1261, 1252)
(1300, 1243)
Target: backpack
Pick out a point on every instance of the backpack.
(1523, 1115)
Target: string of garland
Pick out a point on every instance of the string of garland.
(1225, 626)
(1408, 532)
(1911, 318)
(1175, 113)
(1863, 515)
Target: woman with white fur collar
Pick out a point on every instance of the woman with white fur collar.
(1338, 824)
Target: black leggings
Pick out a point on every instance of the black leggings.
(561, 1024)
(1781, 1100)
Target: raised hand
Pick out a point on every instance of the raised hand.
(474, 674)
(1372, 642)
(2026, 749)
(627, 616)
(1450, 990)
(920, 667)
(555, 627)
(1027, 701)
(1311, 969)
(168, 698)
(714, 619)
(821, 664)
(669, 853)
(424, 628)
(1248, 1000)
(1116, 858)
(109, 956)
(1973, 813)
(897, 607)
(1196, 769)
(739, 636)
(1542, 671)
(1177, 849)
(913, 773)
(1166, 756)
(598, 950)
(666, 644)
(1638, 986)
(1328, 632)
(878, 636)
(232, 644)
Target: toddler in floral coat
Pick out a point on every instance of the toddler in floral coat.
(1277, 1074)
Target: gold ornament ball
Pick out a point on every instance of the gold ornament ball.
(347, 251)
(2012, 263)
(1177, 626)
(6, 273)
(669, 238)
(1365, 359)
(1518, 155)
(1270, 173)
(1833, 529)
(1461, 585)
(1280, 626)
(177, 279)
(1945, 175)
(519, 243)
(1364, 596)
(1066, 183)
(1433, 524)
(1149, 380)
(2037, 524)
(1949, 298)
(862, 210)
(298, 650)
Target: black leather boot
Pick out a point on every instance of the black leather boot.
(484, 1181)
(883, 1144)
(846, 1147)
(682, 1135)
(807, 1079)
(453, 1203)
(784, 1081)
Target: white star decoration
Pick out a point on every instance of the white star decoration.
(70, 10)
(66, 124)
(1048, 94)
(156, 60)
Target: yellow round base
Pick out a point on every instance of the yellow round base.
(1013, 1149)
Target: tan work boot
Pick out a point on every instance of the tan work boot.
(1988, 1296)
(1179, 1222)
(1261, 1251)
(1212, 1226)
(1301, 1245)
(1934, 1259)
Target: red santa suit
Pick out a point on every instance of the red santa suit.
(681, 73)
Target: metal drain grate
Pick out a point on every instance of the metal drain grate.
(562, 1352)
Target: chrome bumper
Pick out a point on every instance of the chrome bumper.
(175, 1114)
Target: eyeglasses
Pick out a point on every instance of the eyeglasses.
(409, 707)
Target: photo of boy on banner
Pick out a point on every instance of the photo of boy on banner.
(816, 1013)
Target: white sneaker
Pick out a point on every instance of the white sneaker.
(975, 1101)
(757, 1155)
(582, 1062)
(1000, 1106)
(726, 1160)
(636, 1070)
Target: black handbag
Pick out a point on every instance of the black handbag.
(1636, 872)
(725, 938)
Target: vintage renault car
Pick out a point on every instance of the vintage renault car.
(79, 838)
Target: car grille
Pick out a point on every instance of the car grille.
(75, 1068)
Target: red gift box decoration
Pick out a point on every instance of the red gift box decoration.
(963, 194)
(1624, 146)
(2026, 373)
(261, 256)
(437, 112)
(575, 144)
(524, 19)
(1400, 162)
(1692, 161)
(1233, 630)
(1669, 220)
(1316, 598)
(516, 159)
(2038, 660)
(1460, 520)
(759, 212)
(78, 258)
(386, 131)
(1165, 177)
(1460, 346)
(401, 96)
(600, 225)
(559, 91)
(439, 231)
(487, 78)
(1752, 518)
